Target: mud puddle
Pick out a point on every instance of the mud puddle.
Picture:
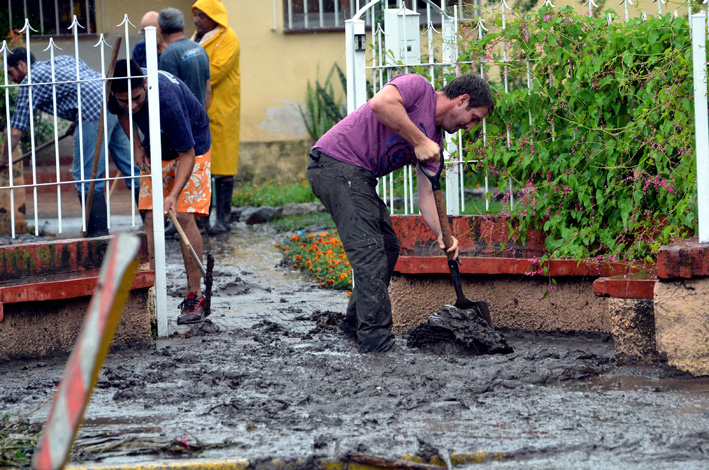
(269, 376)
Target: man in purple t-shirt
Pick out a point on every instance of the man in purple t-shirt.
(401, 125)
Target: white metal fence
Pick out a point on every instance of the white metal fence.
(368, 69)
(155, 143)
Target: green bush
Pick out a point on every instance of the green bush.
(322, 108)
(606, 165)
(273, 193)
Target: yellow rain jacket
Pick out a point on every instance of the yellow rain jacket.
(223, 48)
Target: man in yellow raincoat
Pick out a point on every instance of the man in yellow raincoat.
(213, 33)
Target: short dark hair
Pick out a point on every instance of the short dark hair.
(477, 88)
(120, 73)
(171, 20)
(17, 55)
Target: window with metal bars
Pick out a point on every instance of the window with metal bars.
(330, 15)
(48, 17)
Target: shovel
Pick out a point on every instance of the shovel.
(207, 273)
(69, 131)
(461, 301)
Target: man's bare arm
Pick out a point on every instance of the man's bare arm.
(388, 107)
(182, 176)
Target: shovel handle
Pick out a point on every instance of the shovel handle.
(440, 206)
(187, 243)
(69, 131)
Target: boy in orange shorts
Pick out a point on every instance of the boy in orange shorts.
(186, 144)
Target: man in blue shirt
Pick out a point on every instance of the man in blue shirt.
(183, 57)
(59, 78)
(186, 145)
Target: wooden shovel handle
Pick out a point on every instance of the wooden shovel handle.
(440, 206)
(443, 220)
(187, 243)
(99, 136)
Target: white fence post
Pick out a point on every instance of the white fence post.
(701, 121)
(151, 53)
(355, 40)
(453, 168)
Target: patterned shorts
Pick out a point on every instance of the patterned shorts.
(196, 196)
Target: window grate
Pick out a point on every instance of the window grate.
(49, 17)
(313, 15)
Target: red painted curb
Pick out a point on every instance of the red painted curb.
(56, 257)
(63, 287)
(683, 259)
(511, 266)
(624, 288)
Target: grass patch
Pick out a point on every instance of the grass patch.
(292, 223)
(476, 206)
(17, 442)
(320, 256)
(273, 193)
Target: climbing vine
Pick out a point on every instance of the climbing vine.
(600, 147)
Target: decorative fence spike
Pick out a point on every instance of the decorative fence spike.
(52, 45)
(75, 23)
(125, 21)
(27, 26)
(102, 42)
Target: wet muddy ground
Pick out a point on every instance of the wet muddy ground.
(269, 376)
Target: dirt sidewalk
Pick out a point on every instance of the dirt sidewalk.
(268, 376)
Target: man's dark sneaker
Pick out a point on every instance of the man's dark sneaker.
(193, 309)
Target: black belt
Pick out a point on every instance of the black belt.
(316, 154)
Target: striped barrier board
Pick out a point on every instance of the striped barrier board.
(81, 371)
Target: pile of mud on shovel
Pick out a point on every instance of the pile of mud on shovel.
(453, 330)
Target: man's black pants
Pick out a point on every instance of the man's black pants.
(362, 219)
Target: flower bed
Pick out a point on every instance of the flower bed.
(321, 256)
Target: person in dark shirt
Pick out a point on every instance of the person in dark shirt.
(41, 95)
(138, 54)
(186, 147)
(183, 57)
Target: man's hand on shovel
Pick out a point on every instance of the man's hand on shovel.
(450, 248)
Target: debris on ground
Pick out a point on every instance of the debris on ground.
(452, 330)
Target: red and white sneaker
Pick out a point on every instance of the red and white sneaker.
(193, 309)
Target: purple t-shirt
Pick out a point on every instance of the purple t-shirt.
(361, 140)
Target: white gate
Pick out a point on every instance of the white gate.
(388, 60)
(155, 143)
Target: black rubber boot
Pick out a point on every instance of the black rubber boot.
(225, 190)
(98, 218)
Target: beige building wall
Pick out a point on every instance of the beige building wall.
(276, 67)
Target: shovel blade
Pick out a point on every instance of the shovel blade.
(481, 308)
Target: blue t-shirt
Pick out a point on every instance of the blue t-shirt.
(184, 123)
(139, 55)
